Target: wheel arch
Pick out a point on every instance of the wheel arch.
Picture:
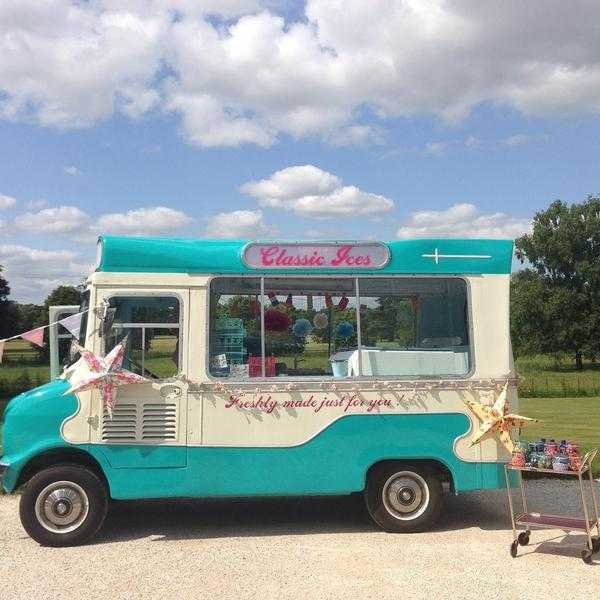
(438, 466)
(61, 456)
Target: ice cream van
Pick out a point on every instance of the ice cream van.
(272, 369)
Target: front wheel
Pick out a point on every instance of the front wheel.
(404, 498)
(63, 506)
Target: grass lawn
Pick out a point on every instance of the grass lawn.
(564, 418)
(543, 375)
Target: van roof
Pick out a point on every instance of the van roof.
(172, 255)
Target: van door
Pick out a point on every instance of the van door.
(148, 424)
(57, 333)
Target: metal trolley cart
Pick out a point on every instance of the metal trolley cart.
(528, 520)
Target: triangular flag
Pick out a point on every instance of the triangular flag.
(72, 324)
(1, 351)
(35, 336)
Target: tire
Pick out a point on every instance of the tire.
(404, 498)
(523, 538)
(63, 506)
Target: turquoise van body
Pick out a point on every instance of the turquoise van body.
(334, 461)
(354, 443)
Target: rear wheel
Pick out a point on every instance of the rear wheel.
(63, 506)
(404, 498)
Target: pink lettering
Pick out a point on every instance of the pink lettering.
(341, 256)
(266, 255)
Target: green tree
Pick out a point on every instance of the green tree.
(29, 316)
(560, 294)
(63, 295)
(7, 309)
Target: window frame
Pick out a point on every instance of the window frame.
(143, 326)
(331, 378)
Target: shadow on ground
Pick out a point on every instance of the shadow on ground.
(220, 518)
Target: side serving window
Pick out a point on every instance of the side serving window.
(234, 331)
(414, 327)
(338, 327)
(149, 326)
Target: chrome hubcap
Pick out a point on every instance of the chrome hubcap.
(405, 495)
(62, 507)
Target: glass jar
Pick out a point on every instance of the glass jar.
(560, 463)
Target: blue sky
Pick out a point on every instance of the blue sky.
(285, 120)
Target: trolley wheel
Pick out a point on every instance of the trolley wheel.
(513, 548)
(523, 538)
(586, 556)
(596, 545)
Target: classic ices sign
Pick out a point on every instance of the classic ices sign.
(364, 255)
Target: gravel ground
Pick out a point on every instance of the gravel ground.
(301, 548)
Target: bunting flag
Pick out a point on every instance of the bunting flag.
(35, 336)
(1, 351)
(72, 324)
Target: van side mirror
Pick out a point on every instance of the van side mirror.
(107, 319)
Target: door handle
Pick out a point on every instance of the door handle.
(170, 390)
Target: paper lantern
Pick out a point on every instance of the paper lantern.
(320, 321)
(276, 320)
(302, 327)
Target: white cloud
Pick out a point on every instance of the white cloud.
(72, 221)
(238, 224)
(62, 219)
(312, 192)
(356, 135)
(151, 220)
(72, 170)
(522, 139)
(32, 273)
(6, 201)
(462, 220)
(36, 204)
(247, 75)
(436, 148)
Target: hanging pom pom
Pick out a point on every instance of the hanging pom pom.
(328, 301)
(344, 329)
(301, 328)
(276, 320)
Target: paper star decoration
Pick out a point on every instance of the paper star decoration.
(496, 419)
(104, 373)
